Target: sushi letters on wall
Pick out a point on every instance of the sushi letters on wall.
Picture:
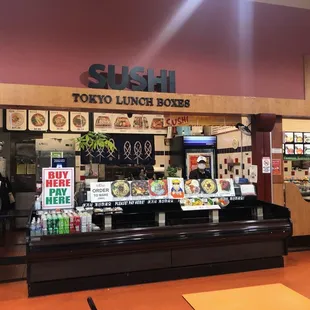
(113, 123)
(79, 121)
(59, 121)
(16, 120)
(38, 120)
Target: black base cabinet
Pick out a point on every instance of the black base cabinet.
(66, 263)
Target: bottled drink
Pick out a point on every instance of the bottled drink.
(66, 223)
(49, 224)
(38, 227)
(60, 224)
(55, 224)
(71, 223)
(77, 222)
(33, 227)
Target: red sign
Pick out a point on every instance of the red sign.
(276, 167)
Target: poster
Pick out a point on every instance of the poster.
(59, 120)
(100, 192)
(266, 165)
(176, 188)
(37, 120)
(122, 123)
(276, 167)
(79, 121)
(57, 188)
(16, 119)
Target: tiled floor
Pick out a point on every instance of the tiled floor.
(161, 296)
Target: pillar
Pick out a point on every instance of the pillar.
(262, 125)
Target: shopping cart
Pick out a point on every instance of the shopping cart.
(91, 303)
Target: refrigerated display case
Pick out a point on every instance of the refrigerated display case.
(186, 149)
(155, 239)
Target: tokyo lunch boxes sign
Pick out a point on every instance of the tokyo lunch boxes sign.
(57, 188)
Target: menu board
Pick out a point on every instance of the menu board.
(16, 119)
(38, 120)
(59, 121)
(79, 121)
(191, 192)
(296, 145)
(114, 123)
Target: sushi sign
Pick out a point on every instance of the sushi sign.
(57, 188)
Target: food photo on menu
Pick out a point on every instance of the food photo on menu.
(192, 187)
(38, 120)
(140, 188)
(158, 188)
(307, 149)
(79, 121)
(288, 137)
(289, 149)
(120, 189)
(208, 186)
(298, 137)
(306, 137)
(299, 149)
(103, 121)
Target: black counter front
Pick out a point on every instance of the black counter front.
(249, 235)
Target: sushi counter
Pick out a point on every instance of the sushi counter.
(138, 241)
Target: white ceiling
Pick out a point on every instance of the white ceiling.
(303, 4)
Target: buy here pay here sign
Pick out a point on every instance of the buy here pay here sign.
(57, 188)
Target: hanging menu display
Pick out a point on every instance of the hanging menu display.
(38, 120)
(59, 121)
(16, 120)
(113, 123)
(192, 194)
(79, 121)
(296, 145)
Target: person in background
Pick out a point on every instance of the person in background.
(201, 172)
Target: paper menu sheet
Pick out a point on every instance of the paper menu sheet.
(247, 190)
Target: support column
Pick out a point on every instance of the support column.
(277, 154)
(262, 125)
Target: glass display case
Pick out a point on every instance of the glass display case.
(144, 231)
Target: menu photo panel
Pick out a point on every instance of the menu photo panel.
(59, 120)
(16, 119)
(37, 120)
(79, 121)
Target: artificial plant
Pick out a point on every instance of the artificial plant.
(94, 142)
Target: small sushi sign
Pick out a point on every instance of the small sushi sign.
(57, 188)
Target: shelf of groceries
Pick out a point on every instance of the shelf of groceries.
(141, 203)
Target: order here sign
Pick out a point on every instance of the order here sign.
(57, 188)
